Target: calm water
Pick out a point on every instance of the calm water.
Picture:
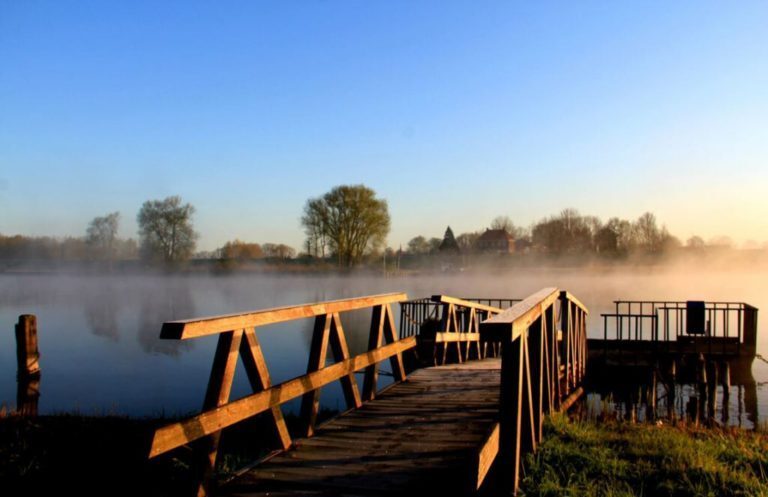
(100, 351)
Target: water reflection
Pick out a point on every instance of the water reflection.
(101, 309)
(160, 303)
(725, 395)
(88, 325)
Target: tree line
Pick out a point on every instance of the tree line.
(571, 233)
(345, 226)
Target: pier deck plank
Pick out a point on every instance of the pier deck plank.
(424, 434)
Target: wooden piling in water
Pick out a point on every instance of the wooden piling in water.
(28, 366)
(711, 390)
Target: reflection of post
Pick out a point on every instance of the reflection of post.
(28, 360)
(750, 402)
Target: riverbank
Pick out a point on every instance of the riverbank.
(90, 455)
(615, 459)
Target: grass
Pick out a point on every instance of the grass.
(612, 459)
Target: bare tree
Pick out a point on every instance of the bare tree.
(352, 219)
(101, 235)
(165, 230)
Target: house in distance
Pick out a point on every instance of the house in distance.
(496, 242)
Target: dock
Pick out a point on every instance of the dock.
(426, 434)
(460, 428)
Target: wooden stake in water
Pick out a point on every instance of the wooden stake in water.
(28, 364)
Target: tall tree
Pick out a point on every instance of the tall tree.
(101, 235)
(351, 218)
(165, 230)
(449, 242)
(648, 234)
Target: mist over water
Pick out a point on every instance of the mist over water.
(100, 351)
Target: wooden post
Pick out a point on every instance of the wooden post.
(27, 355)
(651, 400)
(711, 390)
(565, 320)
(510, 411)
(28, 366)
(535, 354)
(725, 379)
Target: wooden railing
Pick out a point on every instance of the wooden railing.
(237, 338)
(716, 324)
(442, 322)
(543, 361)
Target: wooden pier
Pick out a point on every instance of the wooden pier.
(454, 428)
(645, 332)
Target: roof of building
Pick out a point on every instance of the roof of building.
(496, 235)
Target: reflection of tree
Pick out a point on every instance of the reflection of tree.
(168, 301)
(101, 312)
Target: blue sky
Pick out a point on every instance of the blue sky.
(455, 112)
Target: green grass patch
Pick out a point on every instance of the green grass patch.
(586, 458)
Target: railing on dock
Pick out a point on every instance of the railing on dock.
(723, 327)
(441, 321)
(543, 362)
(237, 338)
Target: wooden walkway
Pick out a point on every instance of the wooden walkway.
(437, 429)
(424, 434)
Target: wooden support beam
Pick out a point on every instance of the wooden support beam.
(536, 360)
(341, 353)
(390, 335)
(177, 434)
(258, 377)
(487, 456)
(318, 353)
(374, 342)
(217, 394)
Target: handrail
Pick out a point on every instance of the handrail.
(722, 323)
(192, 328)
(576, 302)
(237, 340)
(444, 299)
(543, 362)
(175, 435)
(517, 318)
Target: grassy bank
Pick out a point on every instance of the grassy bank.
(86, 455)
(584, 458)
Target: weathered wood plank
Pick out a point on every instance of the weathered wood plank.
(191, 328)
(438, 431)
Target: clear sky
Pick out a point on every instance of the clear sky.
(455, 112)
